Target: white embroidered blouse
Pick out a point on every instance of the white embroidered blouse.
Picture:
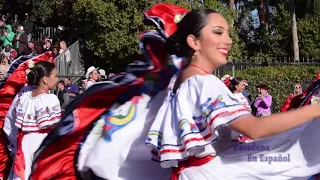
(191, 120)
(39, 112)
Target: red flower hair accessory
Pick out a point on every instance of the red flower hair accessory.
(226, 79)
(165, 17)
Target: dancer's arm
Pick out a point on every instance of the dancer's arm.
(256, 128)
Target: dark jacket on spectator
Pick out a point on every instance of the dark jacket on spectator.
(23, 43)
(64, 98)
(28, 26)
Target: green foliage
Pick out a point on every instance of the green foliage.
(309, 36)
(280, 80)
(110, 28)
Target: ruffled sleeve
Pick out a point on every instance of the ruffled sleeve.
(186, 124)
(36, 113)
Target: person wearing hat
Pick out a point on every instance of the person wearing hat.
(8, 36)
(102, 74)
(92, 75)
(21, 40)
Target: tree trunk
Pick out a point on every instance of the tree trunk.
(262, 11)
(231, 4)
(294, 31)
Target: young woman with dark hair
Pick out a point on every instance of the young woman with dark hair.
(237, 86)
(190, 127)
(193, 133)
(35, 113)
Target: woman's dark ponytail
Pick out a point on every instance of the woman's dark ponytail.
(32, 77)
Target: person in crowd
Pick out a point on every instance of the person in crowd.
(43, 40)
(48, 46)
(15, 23)
(111, 75)
(36, 113)
(8, 36)
(64, 49)
(38, 47)
(4, 66)
(102, 74)
(92, 75)
(72, 89)
(63, 94)
(30, 49)
(237, 86)
(297, 89)
(21, 40)
(246, 92)
(28, 26)
(263, 101)
(9, 52)
(55, 51)
(82, 87)
(3, 75)
(2, 26)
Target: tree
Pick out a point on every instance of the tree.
(294, 31)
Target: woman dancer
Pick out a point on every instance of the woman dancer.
(35, 113)
(194, 130)
(236, 86)
(188, 128)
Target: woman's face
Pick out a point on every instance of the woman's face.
(52, 80)
(60, 86)
(48, 44)
(241, 87)
(263, 91)
(63, 46)
(2, 76)
(214, 42)
(4, 61)
(297, 89)
(55, 51)
(94, 75)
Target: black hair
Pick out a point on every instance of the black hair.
(67, 77)
(233, 83)
(40, 70)
(61, 82)
(191, 23)
(263, 86)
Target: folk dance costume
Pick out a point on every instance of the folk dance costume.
(14, 82)
(34, 117)
(103, 132)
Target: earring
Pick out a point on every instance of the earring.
(194, 55)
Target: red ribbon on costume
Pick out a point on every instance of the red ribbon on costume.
(19, 162)
(191, 162)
